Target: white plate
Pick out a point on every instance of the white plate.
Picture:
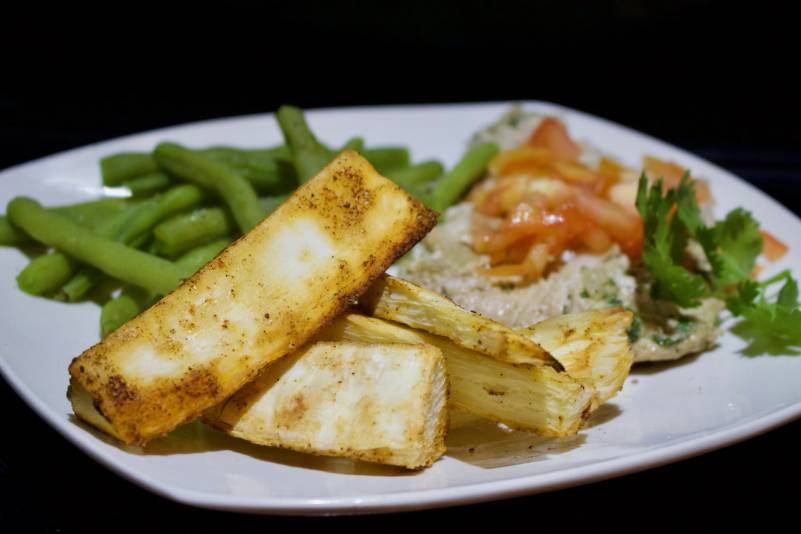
(661, 416)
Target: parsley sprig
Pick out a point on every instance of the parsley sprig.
(731, 246)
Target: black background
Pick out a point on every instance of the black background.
(714, 77)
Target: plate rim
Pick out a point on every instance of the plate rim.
(424, 498)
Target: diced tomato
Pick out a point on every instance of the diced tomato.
(543, 202)
(625, 228)
(537, 259)
(552, 134)
(772, 247)
(670, 173)
(548, 192)
(596, 240)
(624, 194)
(514, 253)
(521, 160)
(576, 173)
(523, 222)
(481, 232)
(610, 168)
(702, 193)
(506, 194)
(532, 266)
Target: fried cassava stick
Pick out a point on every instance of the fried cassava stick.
(383, 403)
(259, 300)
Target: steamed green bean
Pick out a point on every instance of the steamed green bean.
(135, 226)
(10, 236)
(45, 274)
(89, 214)
(148, 184)
(388, 158)
(268, 174)
(119, 168)
(455, 182)
(308, 154)
(189, 230)
(354, 143)
(415, 178)
(270, 204)
(114, 259)
(235, 190)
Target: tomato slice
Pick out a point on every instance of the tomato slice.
(610, 167)
(552, 135)
(772, 247)
(521, 160)
(624, 227)
(670, 173)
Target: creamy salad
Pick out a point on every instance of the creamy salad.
(446, 261)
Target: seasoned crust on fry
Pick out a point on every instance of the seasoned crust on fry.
(384, 403)
(402, 301)
(260, 299)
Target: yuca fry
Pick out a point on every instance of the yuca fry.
(459, 417)
(592, 345)
(257, 301)
(385, 403)
(525, 397)
(397, 300)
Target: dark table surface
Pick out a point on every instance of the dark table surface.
(706, 76)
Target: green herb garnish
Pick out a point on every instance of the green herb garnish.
(731, 247)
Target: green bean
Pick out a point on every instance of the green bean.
(133, 300)
(10, 236)
(308, 154)
(45, 274)
(388, 158)
(152, 211)
(189, 230)
(278, 152)
(114, 259)
(268, 174)
(269, 170)
(135, 227)
(82, 282)
(270, 204)
(87, 278)
(354, 143)
(148, 184)
(89, 214)
(237, 192)
(118, 311)
(470, 168)
(125, 166)
(95, 213)
(196, 258)
(414, 179)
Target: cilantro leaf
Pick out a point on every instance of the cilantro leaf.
(743, 297)
(788, 295)
(687, 210)
(666, 241)
(673, 282)
(732, 247)
(766, 323)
